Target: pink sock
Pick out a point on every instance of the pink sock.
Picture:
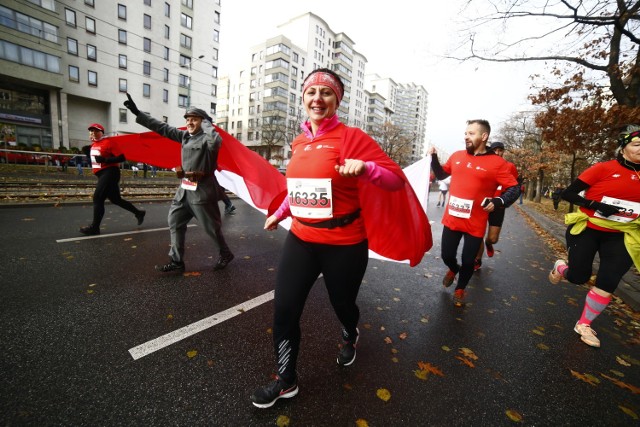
(561, 269)
(593, 306)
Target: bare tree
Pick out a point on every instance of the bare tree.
(394, 141)
(598, 39)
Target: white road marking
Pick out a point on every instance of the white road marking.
(102, 236)
(199, 326)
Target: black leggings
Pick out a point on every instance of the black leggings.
(449, 250)
(342, 266)
(615, 260)
(108, 187)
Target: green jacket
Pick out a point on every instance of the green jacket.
(631, 231)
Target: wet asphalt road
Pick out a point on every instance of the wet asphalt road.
(73, 309)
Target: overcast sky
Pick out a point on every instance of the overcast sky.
(404, 40)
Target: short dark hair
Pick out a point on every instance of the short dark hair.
(483, 123)
(328, 71)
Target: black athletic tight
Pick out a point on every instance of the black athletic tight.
(342, 267)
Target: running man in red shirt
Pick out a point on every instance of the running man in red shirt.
(476, 173)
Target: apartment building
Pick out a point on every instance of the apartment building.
(68, 63)
(264, 106)
(262, 100)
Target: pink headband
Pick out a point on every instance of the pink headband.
(324, 79)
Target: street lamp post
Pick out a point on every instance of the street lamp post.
(189, 79)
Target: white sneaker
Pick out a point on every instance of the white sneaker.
(587, 334)
(554, 275)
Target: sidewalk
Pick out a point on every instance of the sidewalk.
(628, 289)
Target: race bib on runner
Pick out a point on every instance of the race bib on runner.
(310, 197)
(188, 185)
(460, 208)
(629, 210)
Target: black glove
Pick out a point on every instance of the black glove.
(100, 159)
(603, 208)
(497, 202)
(131, 105)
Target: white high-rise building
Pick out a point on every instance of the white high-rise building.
(68, 63)
(264, 106)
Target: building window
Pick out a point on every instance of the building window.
(122, 113)
(183, 81)
(214, 90)
(92, 78)
(212, 108)
(122, 61)
(146, 44)
(92, 53)
(72, 46)
(186, 21)
(167, 9)
(90, 3)
(216, 17)
(70, 17)
(167, 32)
(122, 37)
(122, 12)
(90, 23)
(146, 20)
(146, 90)
(74, 73)
(214, 72)
(165, 54)
(165, 96)
(185, 41)
(188, 3)
(146, 68)
(147, 2)
(182, 101)
(165, 74)
(216, 35)
(122, 85)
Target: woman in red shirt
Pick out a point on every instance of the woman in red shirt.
(609, 210)
(338, 179)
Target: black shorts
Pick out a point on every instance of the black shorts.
(496, 218)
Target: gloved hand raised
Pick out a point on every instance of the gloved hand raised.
(100, 159)
(131, 105)
(604, 209)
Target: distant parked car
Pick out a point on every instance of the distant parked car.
(10, 156)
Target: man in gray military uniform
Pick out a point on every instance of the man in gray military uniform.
(197, 195)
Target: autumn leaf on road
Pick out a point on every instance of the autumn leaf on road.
(282, 421)
(402, 336)
(628, 412)
(361, 423)
(383, 394)
(191, 354)
(466, 361)
(468, 353)
(192, 273)
(426, 369)
(589, 379)
(514, 415)
(634, 389)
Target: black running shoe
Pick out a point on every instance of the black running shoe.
(223, 261)
(229, 209)
(265, 397)
(347, 354)
(90, 230)
(172, 266)
(140, 217)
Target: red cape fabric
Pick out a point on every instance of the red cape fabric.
(267, 187)
(397, 226)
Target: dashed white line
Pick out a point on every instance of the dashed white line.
(186, 331)
(125, 233)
